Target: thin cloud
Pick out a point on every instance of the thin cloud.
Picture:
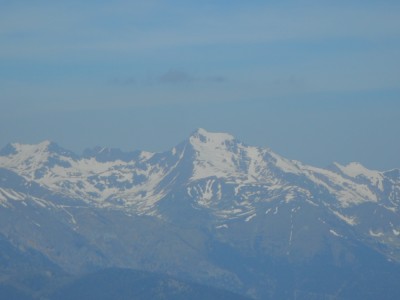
(171, 77)
(182, 77)
(123, 81)
(290, 82)
(216, 79)
(128, 81)
(175, 77)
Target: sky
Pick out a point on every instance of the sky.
(315, 81)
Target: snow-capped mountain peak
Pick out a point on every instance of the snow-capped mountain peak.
(246, 197)
(25, 156)
(357, 171)
(213, 138)
(220, 155)
(139, 180)
(32, 148)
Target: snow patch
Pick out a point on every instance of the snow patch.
(250, 217)
(289, 196)
(311, 202)
(375, 234)
(392, 209)
(10, 194)
(144, 155)
(285, 165)
(222, 226)
(335, 233)
(355, 169)
(206, 193)
(349, 220)
(291, 234)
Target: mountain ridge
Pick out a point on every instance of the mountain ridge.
(184, 209)
(213, 154)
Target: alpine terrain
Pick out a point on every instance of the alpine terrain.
(211, 217)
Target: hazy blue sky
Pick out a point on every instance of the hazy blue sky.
(316, 81)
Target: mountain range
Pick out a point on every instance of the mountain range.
(212, 211)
